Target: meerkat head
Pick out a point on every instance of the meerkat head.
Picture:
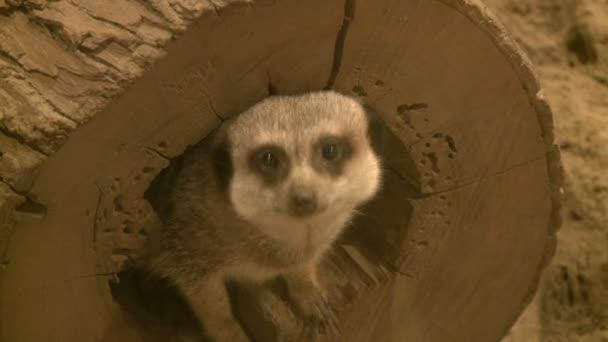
(301, 161)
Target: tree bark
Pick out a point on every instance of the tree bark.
(450, 251)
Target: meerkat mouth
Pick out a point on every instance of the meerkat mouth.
(285, 212)
(308, 247)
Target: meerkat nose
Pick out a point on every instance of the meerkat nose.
(302, 201)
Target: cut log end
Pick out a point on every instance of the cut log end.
(450, 250)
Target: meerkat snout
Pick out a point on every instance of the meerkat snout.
(302, 201)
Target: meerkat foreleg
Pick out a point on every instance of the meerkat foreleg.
(211, 303)
(310, 298)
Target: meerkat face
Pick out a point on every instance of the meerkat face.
(301, 162)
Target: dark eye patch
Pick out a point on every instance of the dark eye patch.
(270, 162)
(331, 153)
(222, 164)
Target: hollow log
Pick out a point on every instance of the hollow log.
(97, 98)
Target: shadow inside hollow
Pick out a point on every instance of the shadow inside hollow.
(155, 306)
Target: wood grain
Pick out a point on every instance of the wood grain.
(451, 249)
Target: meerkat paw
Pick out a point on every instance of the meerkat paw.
(311, 303)
(317, 314)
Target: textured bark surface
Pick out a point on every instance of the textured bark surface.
(450, 251)
(61, 62)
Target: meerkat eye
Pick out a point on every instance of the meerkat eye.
(331, 154)
(332, 148)
(330, 151)
(269, 160)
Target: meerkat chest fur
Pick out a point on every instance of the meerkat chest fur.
(276, 185)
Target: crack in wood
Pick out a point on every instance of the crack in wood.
(478, 179)
(96, 215)
(213, 110)
(271, 89)
(51, 104)
(106, 21)
(31, 208)
(349, 16)
(21, 140)
(10, 186)
(27, 206)
(158, 153)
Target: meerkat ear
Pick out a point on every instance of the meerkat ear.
(377, 131)
(220, 154)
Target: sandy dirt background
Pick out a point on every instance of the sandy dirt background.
(567, 40)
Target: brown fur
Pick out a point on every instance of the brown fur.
(226, 222)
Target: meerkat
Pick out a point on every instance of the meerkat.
(266, 195)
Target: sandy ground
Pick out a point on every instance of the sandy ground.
(567, 40)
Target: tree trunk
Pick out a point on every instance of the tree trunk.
(452, 248)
